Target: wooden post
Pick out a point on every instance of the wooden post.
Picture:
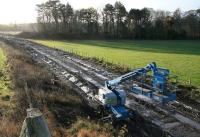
(35, 125)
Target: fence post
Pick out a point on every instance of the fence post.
(34, 125)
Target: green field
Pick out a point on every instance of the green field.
(181, 57)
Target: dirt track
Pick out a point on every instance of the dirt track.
(88, 77)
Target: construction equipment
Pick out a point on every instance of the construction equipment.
(114, 101)
(159, 85)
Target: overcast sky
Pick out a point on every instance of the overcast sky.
(23, 11)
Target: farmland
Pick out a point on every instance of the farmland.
(181, 57)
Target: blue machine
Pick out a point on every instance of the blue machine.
(114, 100)
(159, 85)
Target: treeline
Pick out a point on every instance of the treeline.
(27, 27)
(11, 27)
(115, 22)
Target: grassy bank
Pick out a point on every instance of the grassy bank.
(181, 57)
(5, 92)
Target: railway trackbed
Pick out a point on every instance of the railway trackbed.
(174, 119)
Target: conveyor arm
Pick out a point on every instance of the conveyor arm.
(150, 67)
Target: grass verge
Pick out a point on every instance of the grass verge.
(5, 85)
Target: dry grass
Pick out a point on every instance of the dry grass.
(22, 70)
(54, 127)
(88, 128)
(9, 128)
(12, 115)
(87, 133)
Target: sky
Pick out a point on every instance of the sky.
(24, 11)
